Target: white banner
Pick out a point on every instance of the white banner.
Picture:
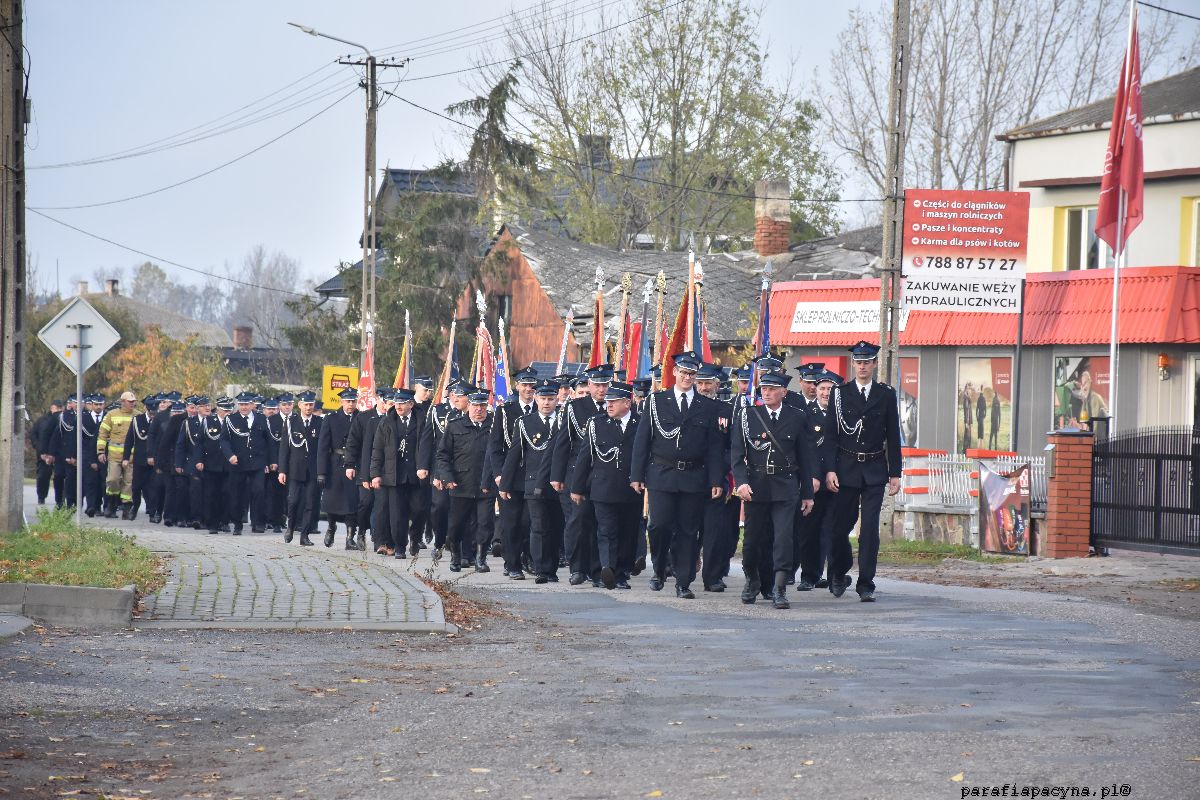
(858, 316)
(944, 293)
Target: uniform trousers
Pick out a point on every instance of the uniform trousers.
(812, 539)
(143, 481)
(212, 507)
(276, 501)
(579, 536)
(617, 529)
(769, 531)
(119, 479)
(422, 502)
(513, 524)
(169, 505)
(545, 521)
(93, 485)
(69, 475)
(195, 498)
(714, 541)
(366, 508)
(45, 475)
(394, 515)
(674, 527)
(439, 516)
(849, 500)
(303, 505)
(470, 521)
(246, 489)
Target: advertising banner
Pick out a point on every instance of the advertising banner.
(853, 316)
(1081, 391)
(1004, 510)
(333, 380)
(984, 404)
(908, 391)
(964, 250)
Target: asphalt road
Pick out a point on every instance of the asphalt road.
(593, 694)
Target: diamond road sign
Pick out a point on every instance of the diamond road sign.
(61, 335)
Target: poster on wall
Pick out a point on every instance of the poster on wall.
(908, 391)
(1004, 510)
(984, 409)
(1081, 390)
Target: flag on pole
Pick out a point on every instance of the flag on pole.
(503, 379)
(635, 359)
(366, 377)
(1123, 176)
(404, 368)
(762, 336)
(485, 371)
(597, 356)
(450, 368)
(678, 340)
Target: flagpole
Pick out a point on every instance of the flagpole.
(626, 287)
(1119, 261)
(568, 321)
(656, 349)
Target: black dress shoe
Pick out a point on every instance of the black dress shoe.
(867, 597)
(552, 577)
(576, 578)
(517, 575)
(329, 537)
(623, 584)
(496, 549)
(716, 587)
(685, 593)
(838, 586)
(257, 529)
(455, 566)
(287, 537)
(212, 531)
(822, 583)
(779, 598)
(277, 529)
(656, 583)
(609, 577)
(305, 541)
(639, 565)
(237, 532)
(804, 586)
(169, 524)
(597, 583)
(750, 591)
(481, 565)
(225, 528)
(196, 526)
(540, 578)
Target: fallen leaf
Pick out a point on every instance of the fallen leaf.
(480, 770)
(441, 690)
(674, 722)
(957, 778)
(965, 705)
(388, 779)
(809, 763)
(360, 680)
(655, 793)
(260, 749)
(56, 739)
(586, 772)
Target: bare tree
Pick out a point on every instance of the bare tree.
(978, 68)
(258, 306)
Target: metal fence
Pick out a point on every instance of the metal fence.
(954, 479)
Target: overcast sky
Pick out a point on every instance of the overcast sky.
(108, 77)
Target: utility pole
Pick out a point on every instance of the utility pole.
(370, 191)
(12, 268)
(893, 217)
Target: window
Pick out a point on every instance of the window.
(1195, 232)
(1083, 247)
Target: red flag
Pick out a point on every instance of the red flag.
(1123, 170)
(677, 343)
(366, 377)
(633, 364)
(597, 356)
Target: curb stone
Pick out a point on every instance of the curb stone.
(70, 606)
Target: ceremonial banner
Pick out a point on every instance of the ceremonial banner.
(333, 380)
(366, 377)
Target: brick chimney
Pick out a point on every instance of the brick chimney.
(112, 287)
(243, 337)
(81, 288)
(772, 217)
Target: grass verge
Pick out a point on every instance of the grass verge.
(914, 554)
(53, 549)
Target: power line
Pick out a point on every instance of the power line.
(206, 172)
(1168, 10)
(558, 46)
(528, 10)
(156, 259)
(651, 181)
(202, 126)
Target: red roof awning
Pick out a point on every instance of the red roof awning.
(1159, 305)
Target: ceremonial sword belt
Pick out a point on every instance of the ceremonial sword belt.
(862, 457)
(771, 469)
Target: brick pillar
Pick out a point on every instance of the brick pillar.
(1069, 504)
(772, 217)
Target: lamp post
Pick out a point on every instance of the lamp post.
(369, 192)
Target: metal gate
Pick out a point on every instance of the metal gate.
(1145, 494)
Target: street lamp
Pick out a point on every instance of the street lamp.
(369, 191)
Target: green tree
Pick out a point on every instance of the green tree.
(680, 98)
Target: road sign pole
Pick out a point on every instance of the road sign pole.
(80, 348)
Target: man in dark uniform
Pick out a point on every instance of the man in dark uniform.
(173, 498)
(579, 518)
(187, 451)
(527, 470)
(93, 482)
(679, 457)
(137, 451)
(864, 442)
(773, 463)
(275, 494)
(601, 475)
(209, 462)
(339, 494)
(298, 470)
(459, 470)
(513, 525)
(437, 418)
(810, 373)
(394, 472)
(714, 538)
(40, 437)
(359, 443)
(157, 491)
(814, 531)
(422, 523)
(247, 448)
(62, 446)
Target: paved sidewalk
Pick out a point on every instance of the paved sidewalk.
(257, 581)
